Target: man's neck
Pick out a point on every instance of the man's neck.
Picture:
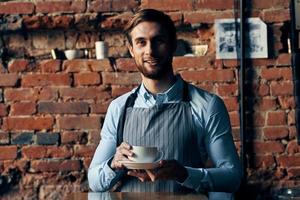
(159, 86)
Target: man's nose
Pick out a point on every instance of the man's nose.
(149, 48)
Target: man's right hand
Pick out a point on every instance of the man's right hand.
(122, 153)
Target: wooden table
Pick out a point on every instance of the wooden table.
(134, 196)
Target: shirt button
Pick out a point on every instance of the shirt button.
(111, 175)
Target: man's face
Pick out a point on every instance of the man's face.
(151, 50)
(230, 38)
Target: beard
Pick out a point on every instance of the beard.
(154, 69)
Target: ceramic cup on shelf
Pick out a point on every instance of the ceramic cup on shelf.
(101, 50)
(73, 54)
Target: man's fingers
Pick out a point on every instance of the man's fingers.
(142, 176)
(125, 145)
(151, 175)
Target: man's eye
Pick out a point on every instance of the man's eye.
(141, 42)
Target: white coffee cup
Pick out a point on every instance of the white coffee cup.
(73, 54)
(142, 154)
(101, 50)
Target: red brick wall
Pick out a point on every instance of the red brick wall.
(52, 110)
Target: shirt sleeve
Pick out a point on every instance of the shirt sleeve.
(100, 176)
(226, 174)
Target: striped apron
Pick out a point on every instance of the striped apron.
(169, 127)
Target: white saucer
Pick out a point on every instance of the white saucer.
(136, 165)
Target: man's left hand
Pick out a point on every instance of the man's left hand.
(167, 170)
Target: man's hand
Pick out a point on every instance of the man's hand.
(167, 170)
(122, 153)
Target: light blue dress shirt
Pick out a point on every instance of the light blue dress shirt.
(212, 123)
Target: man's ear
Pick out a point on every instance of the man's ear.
(130, 48)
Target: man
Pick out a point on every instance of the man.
(185, 122)
(229, 43)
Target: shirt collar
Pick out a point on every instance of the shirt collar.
(174, 93)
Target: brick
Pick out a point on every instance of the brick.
(291, 120)
(34, 152)
(3, 110)
(181, 62)
(23, 108)
(264, 162)
(4, 137)
(94, 137)
(59, 152)
(8, 152)
(257, 89)
(84, 93)
(293, 132)
(20, 94)
(227, 89)
(269, 147)
(116, 22)
(274, 133)
(266, 62)
(46, 79)
(208, 86)
(63, 108)
(226, 75)
(99, 108)
(121, 78)
(265, 104)
(168, 5)
(48, 22)
(22, 138)
(61, 6)
(55, 166)
(282, 88)
(16, 8)
(28, 123)
(284, 59)
(258, 4)
(20, 165)
(116, 5)
(87, 163)
(293, 172)
(119, 90)
(256, 119)
(213, 4)
(84, 150)
(289, 161)
(47, 138)
(120, 5)
(234, 119)
(231, 103)
(278, 15)
(7, 80)
(18, 65)
(276, 118)
(293, 147)
(286, 102)
(73, 137)
(126, 64)
(87, 65)
(276, 74)
(50, 66)
(206, 16)
(87, 78)
(50, 39)
(69, 123)
(47, 94)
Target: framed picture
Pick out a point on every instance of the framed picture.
(227, 38)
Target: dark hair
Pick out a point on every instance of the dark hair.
(151, 15)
